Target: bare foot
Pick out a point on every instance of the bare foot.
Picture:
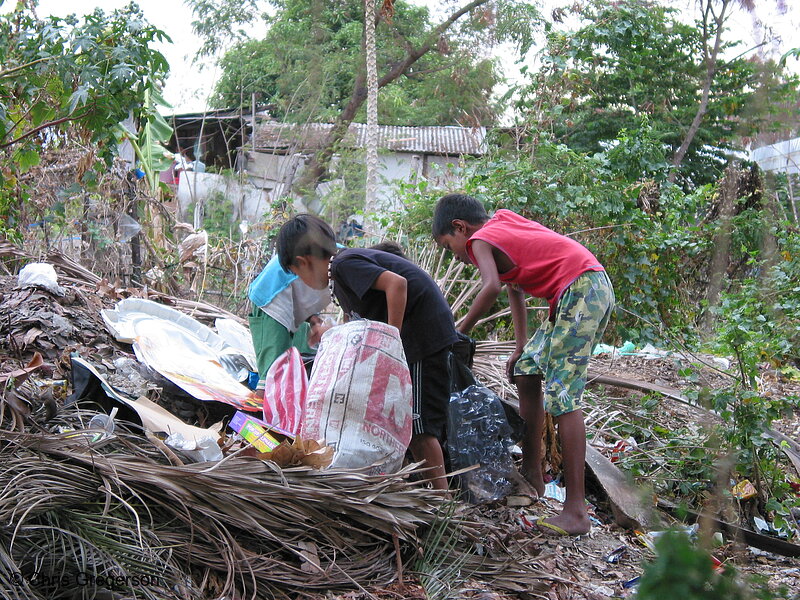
(534, 478)
(564, 524)
(523, 486)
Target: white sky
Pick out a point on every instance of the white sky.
(189, 86)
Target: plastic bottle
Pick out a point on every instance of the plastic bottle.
(478, 433)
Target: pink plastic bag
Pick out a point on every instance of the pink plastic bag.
(285, 389)
(359, 397)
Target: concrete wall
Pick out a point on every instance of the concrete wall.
(275, 172)
(268, 176)
(249, 202)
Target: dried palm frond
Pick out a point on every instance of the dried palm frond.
(270, 530)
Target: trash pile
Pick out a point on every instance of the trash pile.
(134, 444)
(214, 502)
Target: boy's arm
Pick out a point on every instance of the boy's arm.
(396, 289)
(490, 285)
(519, 316)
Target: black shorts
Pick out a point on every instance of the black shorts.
(430, 388)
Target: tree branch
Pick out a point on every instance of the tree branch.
(9, 72)
(711, 71)
(36, 130)
(318, 165)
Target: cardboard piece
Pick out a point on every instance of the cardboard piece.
(247, 427)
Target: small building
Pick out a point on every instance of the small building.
(276, 154)
(272, 157)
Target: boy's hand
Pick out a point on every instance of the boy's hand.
(511, 363)
(318, 327)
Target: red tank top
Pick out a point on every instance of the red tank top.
(545, 262)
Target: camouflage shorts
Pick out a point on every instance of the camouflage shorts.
(559, 351)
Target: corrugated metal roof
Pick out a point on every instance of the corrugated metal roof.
(425, 140)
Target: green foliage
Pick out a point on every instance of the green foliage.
(154, 133)
(218, 218)
(682, 570)
(85, 74)
(92, 72)
(758, 323)
(345, 192)
(652, 256)
(632, 60)
(307, 66)
(441, 566)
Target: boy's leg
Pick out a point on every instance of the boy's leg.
(531, 409)
(583, 313)
(430, 388)
(572, 431)
(426, 447)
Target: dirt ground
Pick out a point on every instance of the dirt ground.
(602, 564)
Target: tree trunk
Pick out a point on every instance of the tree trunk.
(317, 168)
(770, 210)
(370, 200)
(720, 258)
(711, 71)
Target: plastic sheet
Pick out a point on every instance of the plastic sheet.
(185, 351)
(41, 275)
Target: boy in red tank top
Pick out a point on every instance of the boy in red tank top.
(530, 258)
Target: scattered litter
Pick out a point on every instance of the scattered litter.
(41, 275)
(554, 491)
(763, 526)
(631, 583)
(104, 421)
(198, 449)
(616, 555)
(127, 227)
(603, 589)
(744, 490)
(627, 349)
(619, 449)
(252, 431)
(480, 435)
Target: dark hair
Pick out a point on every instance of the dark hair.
(390, 247)
(304, 235)
(457, 206)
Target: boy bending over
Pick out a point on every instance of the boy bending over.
(529, 258)
(282, 305)
(380, 286)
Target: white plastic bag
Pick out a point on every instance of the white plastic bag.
(41, 275)
(359, 397)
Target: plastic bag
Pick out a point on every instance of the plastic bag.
(285, 387)
(198, 450)
(41, 275)
(478, 433)
(359, 396)
(127, 227)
